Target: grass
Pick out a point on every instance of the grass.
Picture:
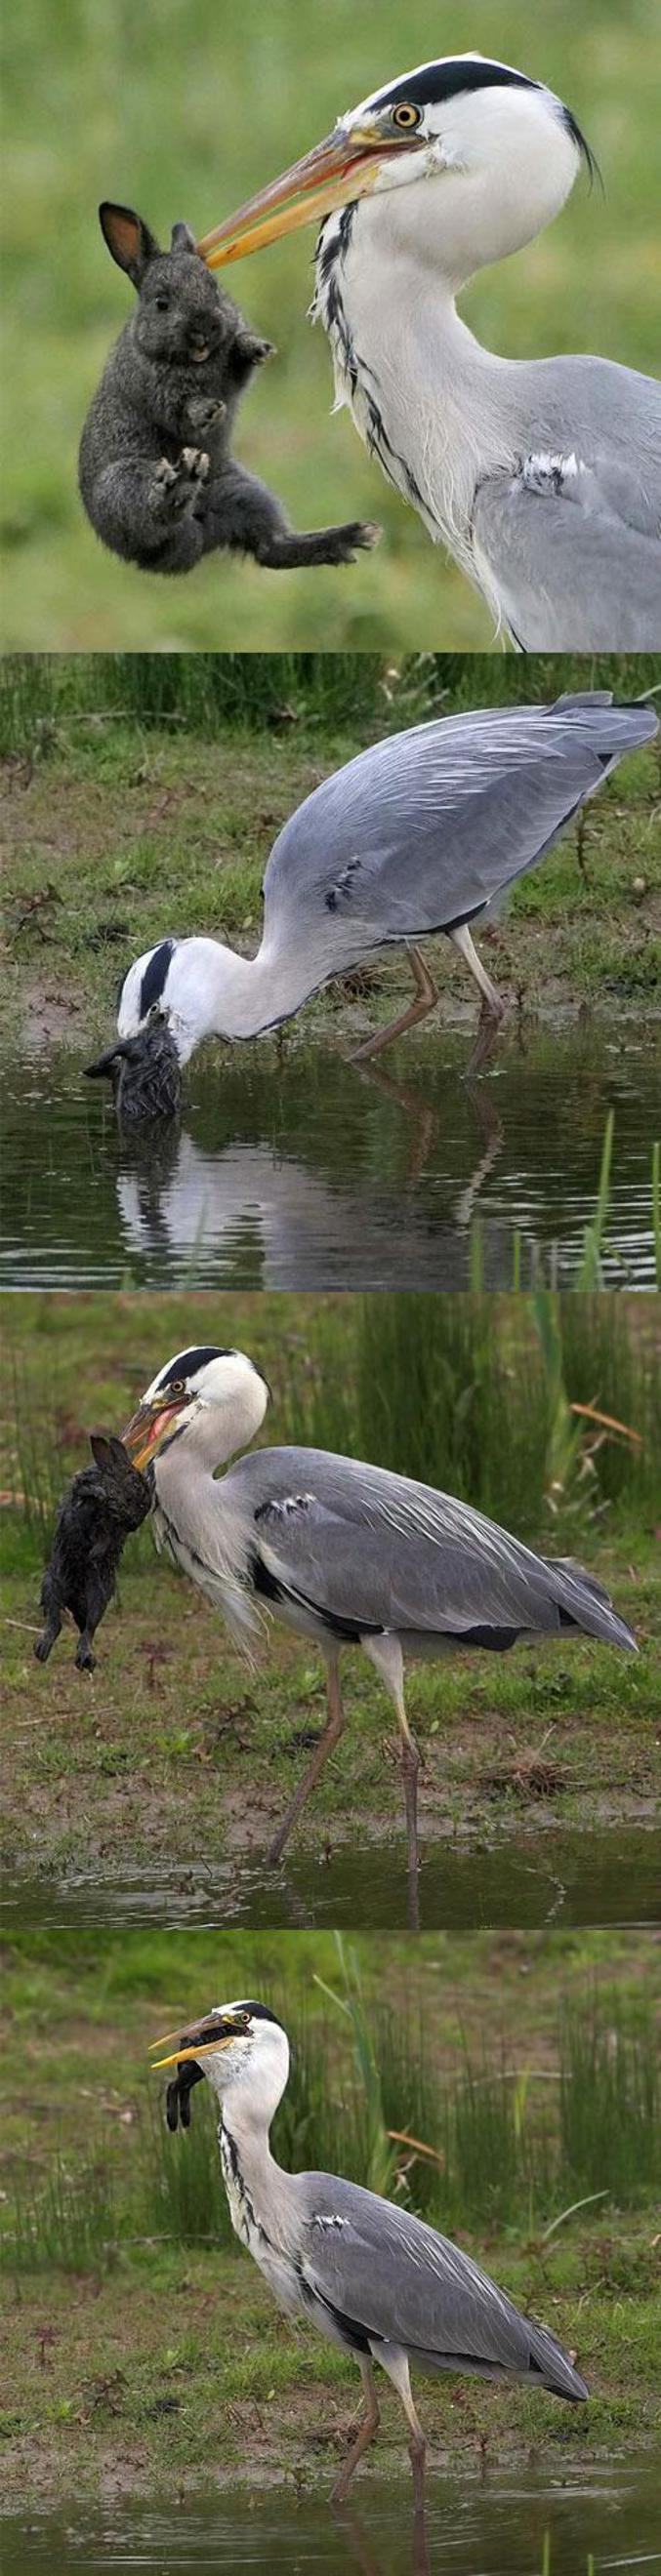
(172, 1726)
(159, 2306)
(179, 120)
(143, 795)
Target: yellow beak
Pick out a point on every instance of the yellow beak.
(188, 2047)
(182, 2055)
(344, 166)
(147, 1428)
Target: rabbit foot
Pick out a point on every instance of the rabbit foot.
(341, 545)
(205, 412)
(196, 463)
(165, 474)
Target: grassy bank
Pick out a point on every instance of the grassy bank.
(190, 120)
(143, 797)
(172, 1747)
(144, 2349)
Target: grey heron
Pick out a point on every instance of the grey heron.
(420, 833)
(542, 477)
(343, 1552)
(370, 2276)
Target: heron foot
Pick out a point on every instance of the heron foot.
(490, 1022)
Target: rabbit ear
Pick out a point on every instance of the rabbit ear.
(183, 238)
(129, 240)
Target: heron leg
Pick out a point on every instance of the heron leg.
(331, 1735)
(394, 2361)
(426, 999)
(386, 1654)
(493, 1009)
(365, 2434)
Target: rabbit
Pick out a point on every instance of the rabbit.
(145, 1074)
(103, 1504)
(156, 472)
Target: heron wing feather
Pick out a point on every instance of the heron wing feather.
(424, 829)
(407, 2285)
(378, 1550)
(574, 568)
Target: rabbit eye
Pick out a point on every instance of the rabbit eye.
(162, 303)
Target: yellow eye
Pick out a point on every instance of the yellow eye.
(406, 115)
(176, 1386)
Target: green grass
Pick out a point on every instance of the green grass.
(172, 1748)
(191, 118)
(142, 2297)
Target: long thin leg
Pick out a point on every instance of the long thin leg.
(331, 1735)
(386, 1654)
(427, 997)
(396, 2365)
(365, 2434)
(493, 1007)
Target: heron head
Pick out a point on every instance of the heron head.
(460, 115)
(233, 2045)
(217, 1394)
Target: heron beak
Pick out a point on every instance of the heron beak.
(189, 2047)
(344, 166)
(146, 1429)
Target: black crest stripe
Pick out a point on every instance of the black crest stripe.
(155, 976)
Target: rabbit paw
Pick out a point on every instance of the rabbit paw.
(252, 351)
(196, 463)
(343, 544)
(178, 486)
(205, 412)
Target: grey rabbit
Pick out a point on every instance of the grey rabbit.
(102, 1505)
(156, 471)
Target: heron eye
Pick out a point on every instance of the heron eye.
(177, 1386)
(407, 115)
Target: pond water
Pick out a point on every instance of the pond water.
(312, 1173)
(499, 2526)
(610, 1876)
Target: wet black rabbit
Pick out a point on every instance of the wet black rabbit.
(156, 471)
(102, 1505)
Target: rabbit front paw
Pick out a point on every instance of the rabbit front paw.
(204, 412)
(251, 351)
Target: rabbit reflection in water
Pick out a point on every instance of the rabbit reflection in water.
(156, 471)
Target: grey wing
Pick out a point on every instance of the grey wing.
(372, 1551)
(573, 554)
(421, 831)
(381, 2270)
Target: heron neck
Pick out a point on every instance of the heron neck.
(254, 2182)
(238, 997)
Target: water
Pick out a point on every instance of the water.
(314, 1174)
(563, 1879)
(495, 2526)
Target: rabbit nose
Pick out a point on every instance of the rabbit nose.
(199, 347)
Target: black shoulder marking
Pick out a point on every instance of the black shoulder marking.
(436, 81)
(188, 1362)
(353, 2334)
(273, 1590)
(155, 976)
